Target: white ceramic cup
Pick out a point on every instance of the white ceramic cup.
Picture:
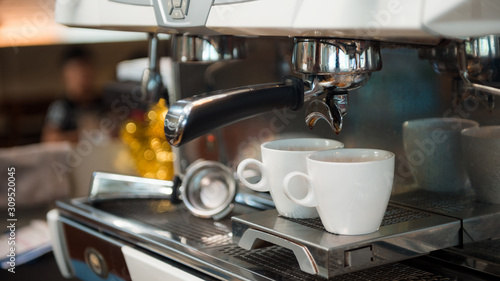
(279, 158)
(350, 188)
(481, 150)
(434, 153)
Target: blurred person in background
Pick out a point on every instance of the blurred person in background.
(81, 106)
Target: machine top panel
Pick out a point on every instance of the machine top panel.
(418, 21)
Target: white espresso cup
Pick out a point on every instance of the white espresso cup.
(350, 188)
(279, 158)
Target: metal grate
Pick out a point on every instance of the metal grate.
(395, 215)
(392, 215)
(275, 260)
(175, 219)
(443, 203)
(393, 272)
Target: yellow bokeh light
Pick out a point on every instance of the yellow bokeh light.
(130, 127)
(149, 155)
(152, 115)
(155, 143)
(162, 156)
(146, 140)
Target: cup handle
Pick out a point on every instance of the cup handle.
(262, 185)
(310, 199)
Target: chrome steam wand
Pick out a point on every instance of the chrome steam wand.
(152, 84)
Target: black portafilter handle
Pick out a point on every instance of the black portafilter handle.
(195, 116)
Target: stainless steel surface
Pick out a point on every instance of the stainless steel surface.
(152, 84)
(191, 48)
(107, 186)
(331, 57)
(318, 109)
(332, 109)
(443, 58)
(208, 189)
(483, 256)
(479, 219)
(278, 263)
(487, 89)
(330, 65)
(168, 231)
(478, 61)
(164, 229)
(405, 233)
(255, 239)
(474, 65)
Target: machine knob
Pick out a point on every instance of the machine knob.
(96, 262)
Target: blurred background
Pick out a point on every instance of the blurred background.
(56, 133)
(31, 47)
(32, 52)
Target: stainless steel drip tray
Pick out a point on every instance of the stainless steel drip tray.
(483, 256)
(405, 233)
(479, 219)
(169, 231)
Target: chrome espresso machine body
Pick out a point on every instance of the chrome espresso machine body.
(353, 71)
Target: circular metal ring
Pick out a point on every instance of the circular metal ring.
(208, 189)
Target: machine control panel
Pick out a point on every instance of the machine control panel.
(177, 9)
(182, 13)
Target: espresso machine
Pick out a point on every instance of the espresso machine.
(250, 71)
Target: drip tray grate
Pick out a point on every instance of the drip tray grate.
(278, 262)
(175, 220)
(393, 215)
(405, 233)
(438, 202)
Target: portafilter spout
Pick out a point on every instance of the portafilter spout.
(332, 109)
(332, 67)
